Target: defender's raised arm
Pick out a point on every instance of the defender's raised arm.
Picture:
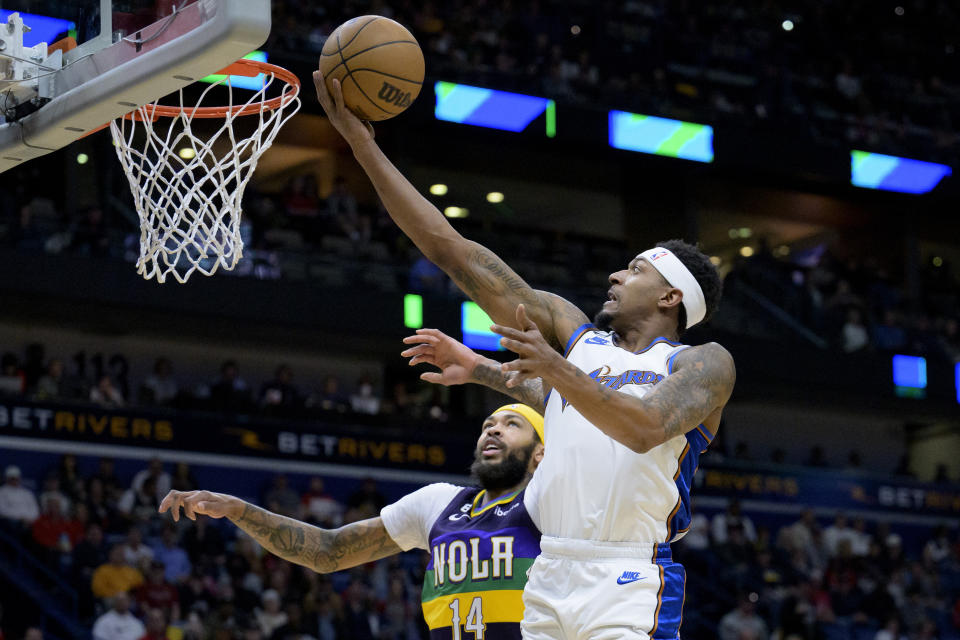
(479, 273)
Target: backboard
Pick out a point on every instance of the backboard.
(104, 58)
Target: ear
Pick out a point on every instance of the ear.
(536, 458)
(671, 298)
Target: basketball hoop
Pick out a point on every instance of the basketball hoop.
(187, 186)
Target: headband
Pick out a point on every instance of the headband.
(677, 275)
(534, 418)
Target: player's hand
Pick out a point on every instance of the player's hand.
(537, 358)
(455, 360)
(205, 503)
(352, 128)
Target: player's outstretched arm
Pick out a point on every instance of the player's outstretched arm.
(459, 364)
(323, 550)
(696, 391)
(479, 273)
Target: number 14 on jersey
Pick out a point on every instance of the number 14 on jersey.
(474, 621)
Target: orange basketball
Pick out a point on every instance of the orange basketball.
(378, 63)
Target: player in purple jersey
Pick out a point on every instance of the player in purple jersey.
(481, 539)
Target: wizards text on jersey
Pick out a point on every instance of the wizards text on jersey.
(632, 376)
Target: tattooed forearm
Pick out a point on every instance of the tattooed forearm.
(322, 550)
(702, 383)
(530, 392)
(502, 275)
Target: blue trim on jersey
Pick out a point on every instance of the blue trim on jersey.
(679, 522)
(672, 597)
(657, 341)
(670, 360)
(576, 335)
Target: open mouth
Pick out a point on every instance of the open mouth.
(491, 448)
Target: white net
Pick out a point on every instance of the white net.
(188, 186)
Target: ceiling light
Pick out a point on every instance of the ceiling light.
(746, 251)
(187, 153)
(787, 25)
(456, 212)
(82, 158)
(495, 197)
(716, 260)
(438, 189)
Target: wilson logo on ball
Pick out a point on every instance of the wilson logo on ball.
(395, 95)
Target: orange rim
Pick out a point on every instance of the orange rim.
(243, 67)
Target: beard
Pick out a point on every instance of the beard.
(509, 472)
(603, 320)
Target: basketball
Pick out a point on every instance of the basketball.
(378, 63)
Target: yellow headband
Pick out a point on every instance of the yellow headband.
(534, 418)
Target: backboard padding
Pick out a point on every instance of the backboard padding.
(144, 66)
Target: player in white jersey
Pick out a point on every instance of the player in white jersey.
(628, 410)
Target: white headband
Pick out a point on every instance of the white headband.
(677, 275)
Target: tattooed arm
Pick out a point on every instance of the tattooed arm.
(695, 393)
(323, 550)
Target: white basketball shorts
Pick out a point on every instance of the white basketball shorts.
(589, 590)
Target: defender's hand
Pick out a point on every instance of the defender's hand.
(537, 357)
(206, 503)
(352, 128)
(455, 360)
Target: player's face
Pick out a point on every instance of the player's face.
(634, 292)
(508, 450)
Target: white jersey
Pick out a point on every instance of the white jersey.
(591, 487)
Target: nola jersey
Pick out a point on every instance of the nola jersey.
(479, 558)
(590, 486)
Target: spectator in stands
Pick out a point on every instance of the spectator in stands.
(88, 554)
(115, 576)
(106, 474)
(732, 517)
(33, 633)
(174, 558)
(281, 499)
(54, 532)
(157, 625)
(18, 505)
(838, 532)
(279, 393)
(230, 392)
(12, 380)
(364, 400)
(69, 478)
(319, 507)
(155, 470)
(270, 617)
(158, 593)
(183, 479)
(201, 541)
(938, 549)
(106, 394)
(342, 209)
(135, 552)
(51, 490)
(51, 385)
(160, 387)
(743, 623)
(330, 397)
(118, 623)
(101, 511)
(891, 630)
(140, 505)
